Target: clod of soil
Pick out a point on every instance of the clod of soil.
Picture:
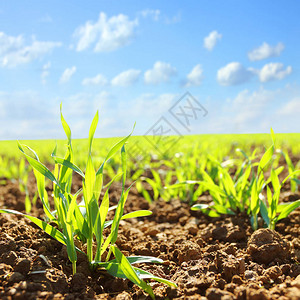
(23, 266)
(266, 245)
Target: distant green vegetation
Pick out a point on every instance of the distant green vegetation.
(220, 145)
(223, 165)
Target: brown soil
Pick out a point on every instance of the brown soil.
(218, 258)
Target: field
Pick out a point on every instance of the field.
(218, 214)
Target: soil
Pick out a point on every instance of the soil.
(220, 258)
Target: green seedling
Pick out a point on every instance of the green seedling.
(156, 183)
(260, 182)
(270, 210)
(23, 185)
(244, 191)
(228, 196)
(291, 168)
(86, 220)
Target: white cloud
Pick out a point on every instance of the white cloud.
(126, 78)
(107, 34)
(161, 72)
(249, 108)
(174, 19)
(150, 104)
(45, 72)
(249, 105)
(67, 74)
(195, 77)
(13, 50)
(256, 111)
(153, 13)
(79, 110)
(234, 73)
(76, 105)
(292, 108)
(145, 109)
(273, 71)
(26, 115)
(156, 15)
(97, 80)
(247, 112)
(211, 40)
(265, 51)
(10, 43)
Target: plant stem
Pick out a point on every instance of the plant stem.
(74, 267)
(272, 225)
(108, 255)
(90, 249)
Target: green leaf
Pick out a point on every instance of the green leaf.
(211, 213)
(269, 196)
(214, 189)
(71, 250)
(183, 183)
(89, 181)
(147, 196)
(275, 181)
(40, 181)
(65, 125)
(287, 210)
(273, 136)
(82, 227)
(222, 209)
(296, 180)
(116, 221)
(132, 260)
(264, 212)
(266, 158)
(200, 206)
(114, 269)
(92, 130)
(114, 149)
(282, 206)
(134, 214)
(146, 275)
(37, 165)
(68, 164)
(70, 214)
(254, 204)
(289, 176)
(243, 152)
(130, 273)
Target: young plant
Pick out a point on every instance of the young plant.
(244, 191)
(23, 182)
(270, 210)
(291, 168)
(228, 195)
(87, 220)
(156, 184)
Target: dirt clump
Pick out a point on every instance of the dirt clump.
(266, 246)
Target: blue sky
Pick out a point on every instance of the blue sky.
(133, 61)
